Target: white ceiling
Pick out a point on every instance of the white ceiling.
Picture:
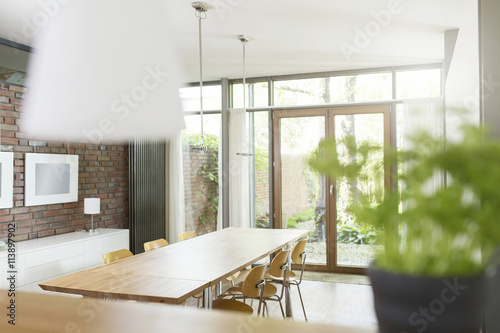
(289, 36)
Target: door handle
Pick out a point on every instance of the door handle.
(331, 189)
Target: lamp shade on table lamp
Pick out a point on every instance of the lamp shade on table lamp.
(92, 206)
(104, 70)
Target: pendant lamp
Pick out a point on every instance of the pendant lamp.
(201, 14)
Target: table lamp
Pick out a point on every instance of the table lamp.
(92, 206)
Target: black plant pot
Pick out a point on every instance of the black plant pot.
(408, 304)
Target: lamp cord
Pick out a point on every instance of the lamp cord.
(201, 17)
(244, 75)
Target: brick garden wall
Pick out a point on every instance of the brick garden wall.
(103, 173)
(294, 185)
(199, 191)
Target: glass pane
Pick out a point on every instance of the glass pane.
(257, 95)
(13, 65)
(361, 88)
(212, 98)
(301, 92)
(302, 189)
(260, 169)
(339, 89)
(418, 83)
(12, 76)
(201, 173)
(357, 241)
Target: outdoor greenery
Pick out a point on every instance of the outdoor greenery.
(306, 215)
(447, 230)
(354, 234)
(209, 172)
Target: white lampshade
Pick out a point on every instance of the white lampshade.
(91, 205)
(104, 70)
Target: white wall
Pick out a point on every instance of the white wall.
(462, 84)
(490, 62)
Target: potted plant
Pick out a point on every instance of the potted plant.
(439, 240)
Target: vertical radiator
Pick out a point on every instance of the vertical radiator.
(147, 192)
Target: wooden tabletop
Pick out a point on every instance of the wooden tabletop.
(213, 256)
(196, 263)
(127, 287)
(36, 313)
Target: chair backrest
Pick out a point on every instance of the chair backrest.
(156, 244)
(299, 250)
(254, 278)
(278, 265)
(186, 235)
(116, 255)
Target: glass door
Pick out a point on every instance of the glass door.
(356, 242)
(300, 193)
(304, 199)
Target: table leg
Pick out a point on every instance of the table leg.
(288, 302)
(218, 289)
(207, 298)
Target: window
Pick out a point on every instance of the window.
(212, 98)
(201, 173)
(418, 83)
(361, 88)
(256, 96)
(337, 89)
(259, 168)
(301, 92)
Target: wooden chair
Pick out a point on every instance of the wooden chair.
(298, 257)
(116, 255)
(156, 244)
(252, 287)
(186, 235)
(279, 268)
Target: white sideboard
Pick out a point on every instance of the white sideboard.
(42, 259)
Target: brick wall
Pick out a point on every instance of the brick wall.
(294, 185)
(262, 193)
(199, 191)
(103, 173)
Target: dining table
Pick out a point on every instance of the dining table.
(45, 313)
(174, 273)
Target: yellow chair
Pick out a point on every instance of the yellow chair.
(156, 244)
(252, 287)
(233, 278)
(116, 255)
(278, 268)
(186, 235)
(298, 257)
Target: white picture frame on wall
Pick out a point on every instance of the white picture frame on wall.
(6, 179)
(50, 179)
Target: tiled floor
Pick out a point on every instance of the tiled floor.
(332, 303)
(336, 299)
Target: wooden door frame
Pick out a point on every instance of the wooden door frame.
(384, 109)
(295, 113)
(329, 113)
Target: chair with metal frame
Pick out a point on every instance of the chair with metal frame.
(253, 287)
(298, 257)
(279, 268)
